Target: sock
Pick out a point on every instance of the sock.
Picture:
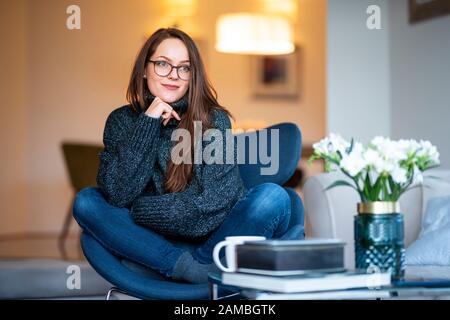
(188, 269)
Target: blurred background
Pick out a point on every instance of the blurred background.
(350, 74)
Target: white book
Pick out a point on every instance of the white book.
(286, 272)
(356, 294)
(308, 283)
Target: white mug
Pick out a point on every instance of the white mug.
(230, 253)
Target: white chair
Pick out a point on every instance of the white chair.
(331, 212)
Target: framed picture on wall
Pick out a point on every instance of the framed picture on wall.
(420, 10)
(275, 76)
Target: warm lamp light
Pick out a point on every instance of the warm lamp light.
(246, 33)
(181, 8)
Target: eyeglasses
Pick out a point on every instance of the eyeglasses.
(163, 69)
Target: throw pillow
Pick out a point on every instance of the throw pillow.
(433, 244)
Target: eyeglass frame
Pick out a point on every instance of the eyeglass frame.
(171, 69)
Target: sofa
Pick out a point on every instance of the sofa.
(331, 212)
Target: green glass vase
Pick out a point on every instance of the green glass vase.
(379, 238)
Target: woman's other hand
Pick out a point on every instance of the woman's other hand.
(159, 108)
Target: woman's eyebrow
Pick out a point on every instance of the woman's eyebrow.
(168, 59)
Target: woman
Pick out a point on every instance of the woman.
(145, 202)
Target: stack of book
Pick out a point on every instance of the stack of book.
(290, 257)
(303, 268)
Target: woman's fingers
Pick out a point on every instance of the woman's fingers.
(175, 114)
(168, 114)
(167, 118)
(167, 108)
(165, 115)
(161, 109)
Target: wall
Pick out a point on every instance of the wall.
(13, 116)
(392, 82)
(75, 78)
(420, 78)
(358, 78)
(231, 73)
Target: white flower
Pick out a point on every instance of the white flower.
(357, 149)
(384, 161)
(399, 175)
(385, 166)
(373, 158)
(409, 147)
(426, 149)
(329, 146)
(338, 143)
(393, 152)
(353, 163)
(378, 142)
(322, 147)
(390, 150)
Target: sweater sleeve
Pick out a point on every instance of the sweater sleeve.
(126, 163)
(189, 214)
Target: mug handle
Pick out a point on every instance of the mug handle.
(216, 252)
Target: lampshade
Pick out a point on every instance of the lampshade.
(247, 33)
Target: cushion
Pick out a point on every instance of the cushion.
(427, 272)
(433, 244)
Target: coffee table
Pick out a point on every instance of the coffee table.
(410, 290)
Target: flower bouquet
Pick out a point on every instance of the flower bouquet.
(380, 173)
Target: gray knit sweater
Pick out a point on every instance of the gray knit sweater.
(132, 170)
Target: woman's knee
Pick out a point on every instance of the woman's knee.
(272, 201)
(85, 205)
(273, 191)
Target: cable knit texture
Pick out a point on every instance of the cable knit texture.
(132, 171)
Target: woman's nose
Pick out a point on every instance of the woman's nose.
(173, 74)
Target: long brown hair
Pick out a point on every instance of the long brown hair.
(202, 99)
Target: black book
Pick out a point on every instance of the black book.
(290, 257)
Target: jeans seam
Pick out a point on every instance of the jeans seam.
(272, 226)
(277, 218)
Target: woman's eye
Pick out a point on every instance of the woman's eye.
(161, 63)
(185, 69)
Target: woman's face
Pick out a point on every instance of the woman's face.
(169, 88)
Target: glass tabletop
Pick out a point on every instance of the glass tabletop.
(414, 288)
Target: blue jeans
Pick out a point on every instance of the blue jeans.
(264, 211)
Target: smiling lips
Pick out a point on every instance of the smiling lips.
(170, 87)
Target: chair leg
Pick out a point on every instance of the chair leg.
(110, 291)
(64, 232)
(115, 289)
